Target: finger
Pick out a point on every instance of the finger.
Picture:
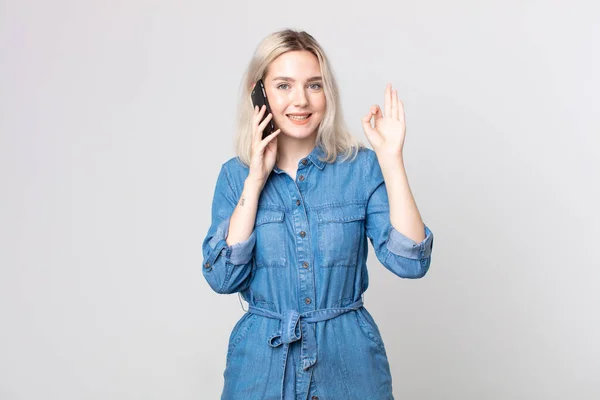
(372, 135)
(366, 122)
(258, 113)
(265, 142)
(376, 111)
(395, 114)
(377, 115)
(271, 148)
(271, 136)
(254, 116)
(401, 116)
(263, 125)
(388, 100)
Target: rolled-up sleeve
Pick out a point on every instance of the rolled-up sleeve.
(397, 252)
(402, 245)
(226, 268)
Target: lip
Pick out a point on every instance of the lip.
(303, 122)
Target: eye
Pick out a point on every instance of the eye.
(282, 84)
(316, 86)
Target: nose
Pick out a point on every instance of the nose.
(300, 99)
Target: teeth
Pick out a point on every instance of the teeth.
(298, 118)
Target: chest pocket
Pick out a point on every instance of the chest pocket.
(270, 249)
(340, 232)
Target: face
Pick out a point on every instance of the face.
(294, 88)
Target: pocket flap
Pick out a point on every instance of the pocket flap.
(266, 215)
(344, 213)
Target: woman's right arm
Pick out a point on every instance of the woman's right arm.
(244, 214)
(228, 246)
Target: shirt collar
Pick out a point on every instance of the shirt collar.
(313, 157)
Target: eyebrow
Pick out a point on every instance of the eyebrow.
(288, 79)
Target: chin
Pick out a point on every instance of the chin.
(298, 132)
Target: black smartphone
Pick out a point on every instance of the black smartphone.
(259, 98)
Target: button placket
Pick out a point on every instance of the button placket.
(306, 281)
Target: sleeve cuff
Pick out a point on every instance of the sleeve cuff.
(404, 246)
(237, 254)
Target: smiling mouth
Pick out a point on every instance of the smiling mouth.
(298, 117)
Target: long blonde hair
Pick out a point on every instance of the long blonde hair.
(333, 135)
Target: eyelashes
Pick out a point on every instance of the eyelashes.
(313, 86)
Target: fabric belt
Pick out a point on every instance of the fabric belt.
(290, 330)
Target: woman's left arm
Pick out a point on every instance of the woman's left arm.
(402, 242)
(387, 138)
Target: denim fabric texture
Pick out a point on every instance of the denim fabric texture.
(307, 334)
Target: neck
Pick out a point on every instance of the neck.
(291, 150)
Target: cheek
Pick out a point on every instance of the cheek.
(319, 103)
(277, 105)
(276, 102)
(278, 109)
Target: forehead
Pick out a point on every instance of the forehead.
(295, 64)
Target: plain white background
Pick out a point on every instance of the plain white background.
(115, 117)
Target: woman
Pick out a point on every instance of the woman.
(290, 218)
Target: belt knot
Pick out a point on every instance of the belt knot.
(290, 329)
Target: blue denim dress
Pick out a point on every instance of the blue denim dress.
(303, 271)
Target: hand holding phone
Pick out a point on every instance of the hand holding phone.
(259, 98)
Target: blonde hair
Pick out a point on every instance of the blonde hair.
(332, 135)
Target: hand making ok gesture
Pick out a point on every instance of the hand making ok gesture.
(387, 135)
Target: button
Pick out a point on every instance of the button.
(305, 265)
(304, 162)
(307, 300)
(297, 202)
(207, 265)
(301, 177)
(302, 233)
(314, 398)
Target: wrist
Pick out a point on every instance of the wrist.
(390, 159)
(252, 187)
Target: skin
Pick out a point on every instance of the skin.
(386, 135)
(294, 86)
(296, 95)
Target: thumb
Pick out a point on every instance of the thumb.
(376, 110)
(372, 135)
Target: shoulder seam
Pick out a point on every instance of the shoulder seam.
(227, 179)
(366, 170)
